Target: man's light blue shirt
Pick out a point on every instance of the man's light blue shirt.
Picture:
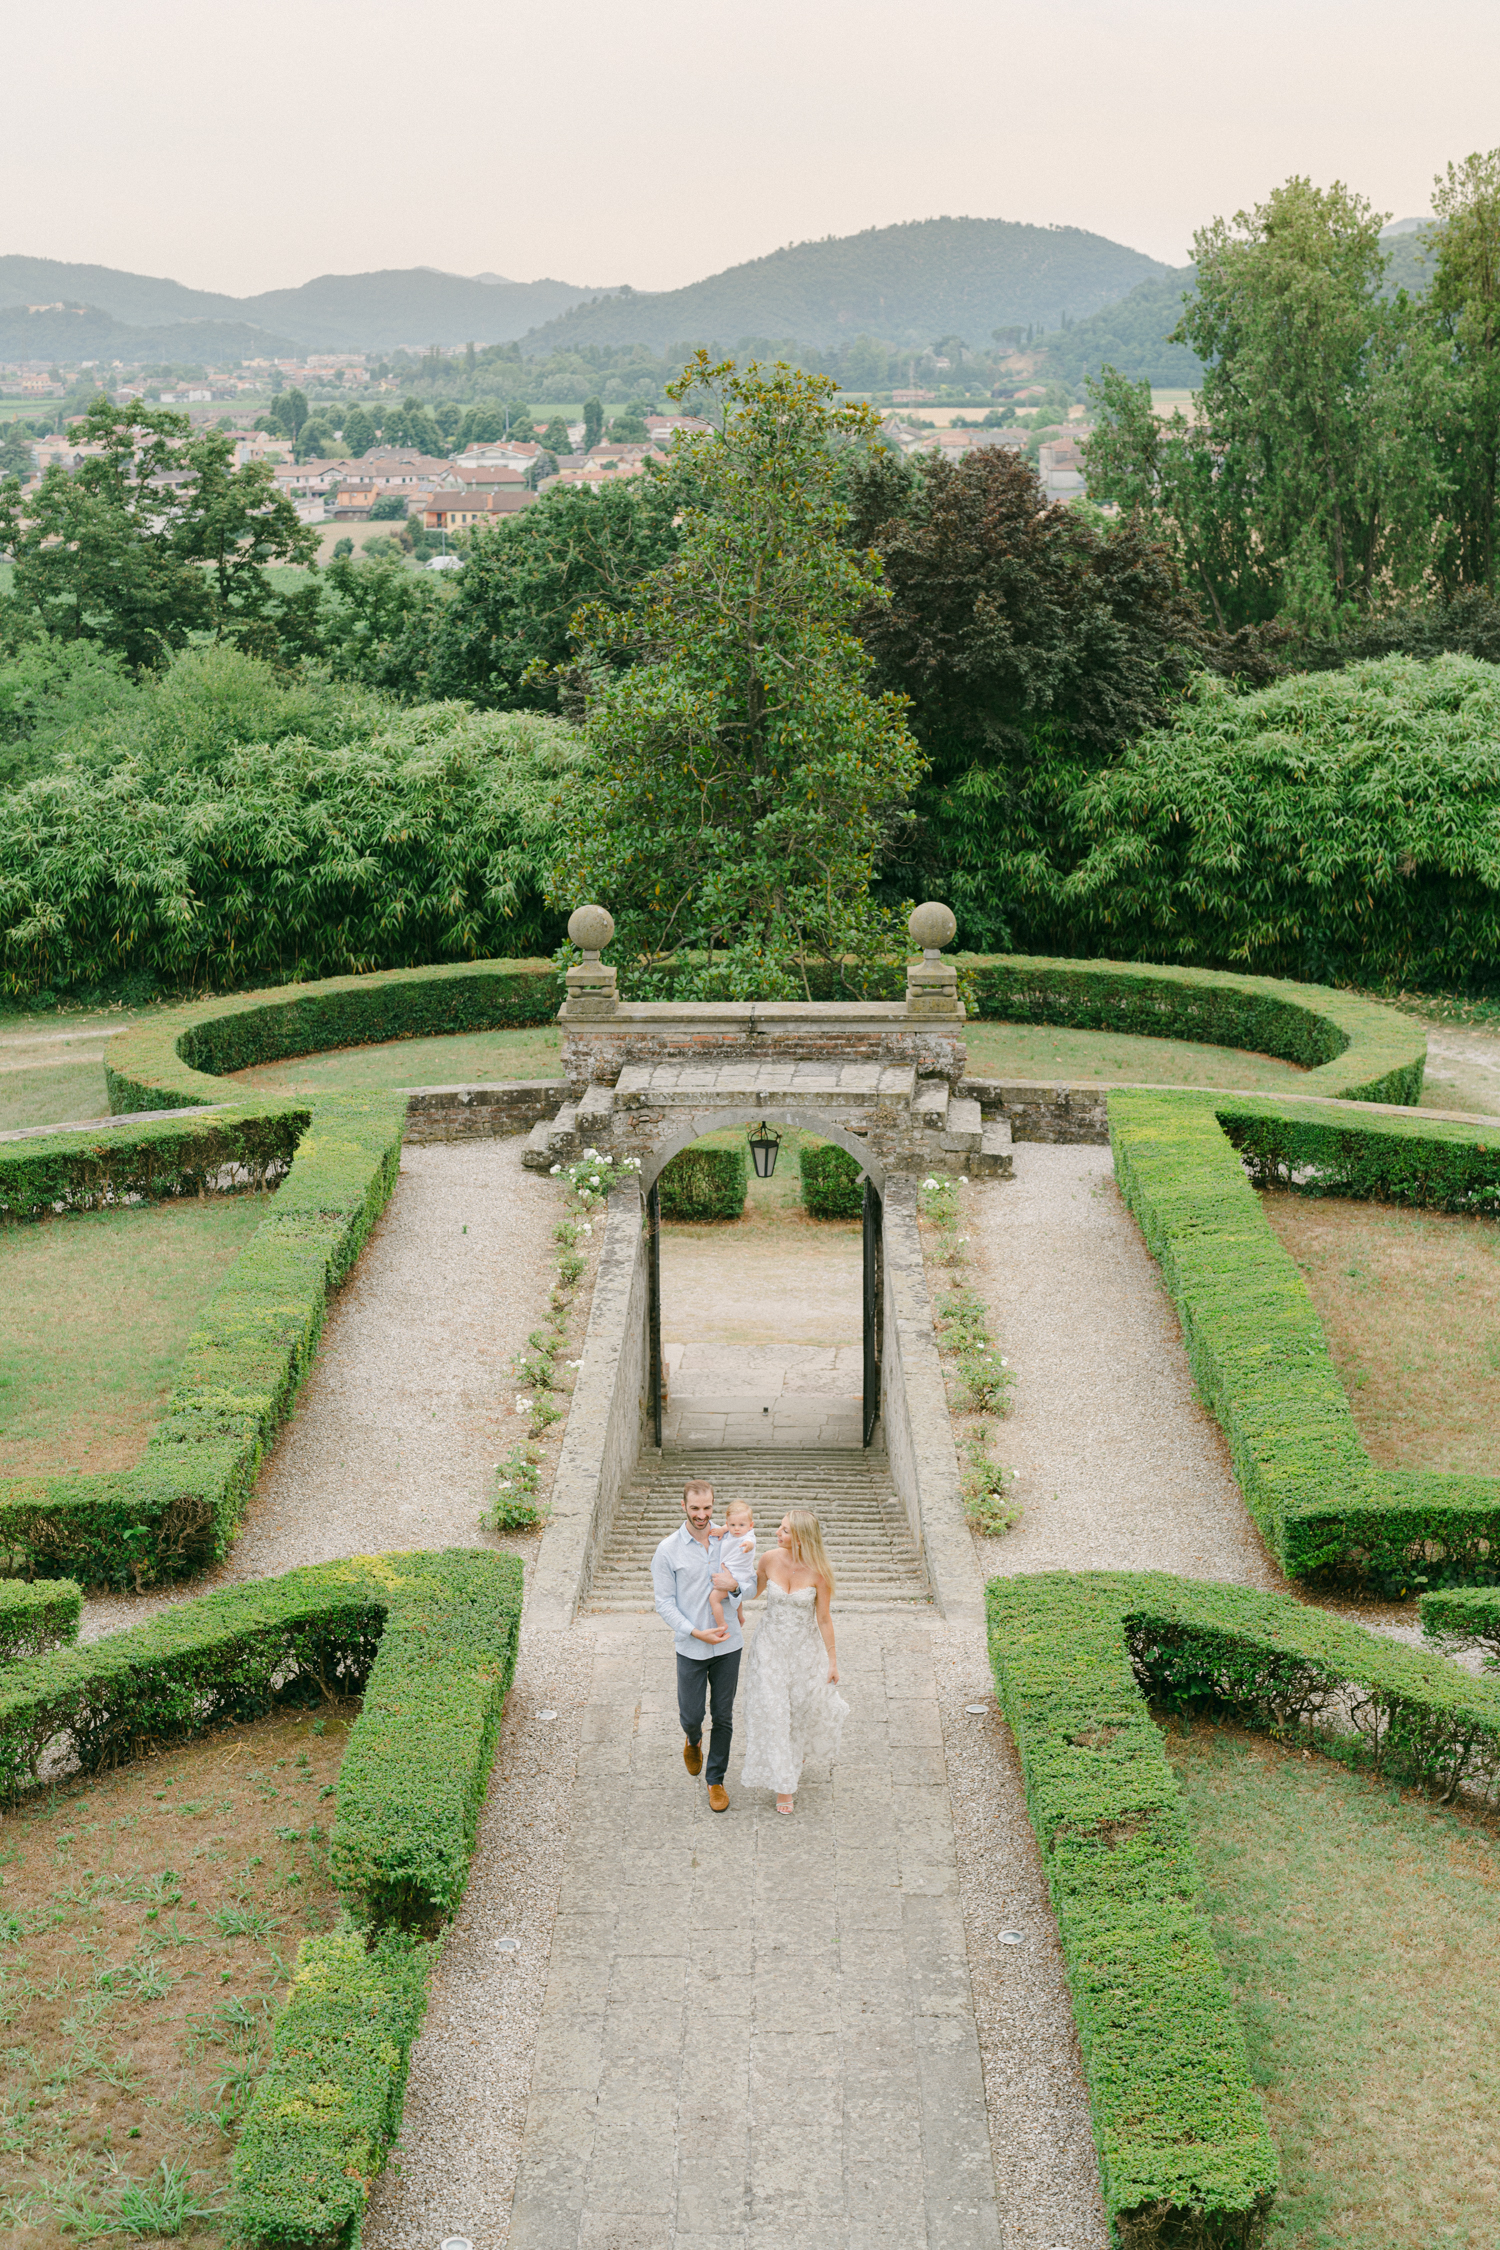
(682, 1573)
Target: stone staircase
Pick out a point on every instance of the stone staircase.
(864, 1524)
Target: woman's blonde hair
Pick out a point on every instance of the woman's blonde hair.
(807, 1545)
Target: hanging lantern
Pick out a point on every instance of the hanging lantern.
(764, 1143)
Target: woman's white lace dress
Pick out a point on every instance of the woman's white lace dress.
(790, 1710)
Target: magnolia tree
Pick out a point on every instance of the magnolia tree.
(741, 782)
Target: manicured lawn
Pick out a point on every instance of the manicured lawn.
(149, 1920)
(462, 1059)
(1020, 1050)
(98, 1307)
(1410, 1304)
(1360, 1927)
(52, 1066)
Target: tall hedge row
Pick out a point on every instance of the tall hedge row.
(1254, 1341)
(1184, 2152)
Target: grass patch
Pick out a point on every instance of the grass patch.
(100, 1305)
(1357, 1924)
(454, 1059)
(1410, 1305)
(148, 1923)
(1054, 1054)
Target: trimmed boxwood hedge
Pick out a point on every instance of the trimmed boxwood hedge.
(1185, 2155)
(705, 1182)
(33, 1618)
(179, 1508)
(1354, 1049)
(833, 1182)
(1465, 1617)
(170, 1060)
(431, 1639)
(148, 1161)
(1255, 1343)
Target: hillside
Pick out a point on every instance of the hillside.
(911, 284)
(381, 311)
(75, 332)
(1132, 336)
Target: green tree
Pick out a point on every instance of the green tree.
(359, 432)
(16, 456)
(519, 424)
(555, 436)
(593, 423)
(503, 641)
(1304, 481)
(741, 783)
(1465, 303)
(153, 537)
(1033, 646)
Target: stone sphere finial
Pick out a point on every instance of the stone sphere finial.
(592, 927)
(932, 926)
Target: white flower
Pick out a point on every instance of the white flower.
(503, 1485)
(585, 1228)
(523, 1406)
(963, 1181)
(575, 1363)
(929, 1184)
(555, 1170)
(593, 1153)
(594, 1182)
(1004, 1362)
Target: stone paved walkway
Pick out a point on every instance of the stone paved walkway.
(759, 2030)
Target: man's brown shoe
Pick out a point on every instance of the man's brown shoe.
(718, 1797)
(692, 1756)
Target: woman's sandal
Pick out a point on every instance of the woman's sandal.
(786, 1804)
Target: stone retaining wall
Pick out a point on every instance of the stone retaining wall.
(1037, 1112)
(597, 1048)
(469, 1113)
(605, 1419)
(914, 1416)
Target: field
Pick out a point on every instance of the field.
(99, 1305)
(1018, 1050)
(460, 1059)
(148, 1924)
(1410, 1304)
(1359, 1928)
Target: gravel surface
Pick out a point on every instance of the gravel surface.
(453, 2170)
(1122, 1467)
(410, 1401)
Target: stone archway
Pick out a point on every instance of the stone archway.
(747, 1114)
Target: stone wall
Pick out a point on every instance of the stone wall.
(914, 1414)
(605, 1419)
(468, 1113)
(1036, 1112)
(597, 1048)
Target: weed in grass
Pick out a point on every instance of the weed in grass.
(161, 2205)
(1357, 1924)
(119, 2060)
(1410, 1304)
(99, 1307)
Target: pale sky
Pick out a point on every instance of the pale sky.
(251, 148)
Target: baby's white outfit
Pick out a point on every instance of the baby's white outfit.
(737, 1556)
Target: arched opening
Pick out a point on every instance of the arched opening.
(765, 1324)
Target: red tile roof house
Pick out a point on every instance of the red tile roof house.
(460, 511)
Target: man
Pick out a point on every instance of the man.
(684, 1572)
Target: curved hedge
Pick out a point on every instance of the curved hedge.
(1184, 2152)
(1254, 1341)
(178, 1509)
(431, 1639)
(169, 1061)
(1354, 1049)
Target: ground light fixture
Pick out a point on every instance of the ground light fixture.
(764, 1143)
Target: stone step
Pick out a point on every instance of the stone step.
(537, 1156)
(869, 1540)
(594, 1113)
(930, 1104)
(562, 1134)
(994, 1159)
(962, 1132)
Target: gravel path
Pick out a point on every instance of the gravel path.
(408, 1406)
(1122, 1467)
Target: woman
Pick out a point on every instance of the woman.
(792, 1706)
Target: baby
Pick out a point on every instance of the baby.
(736, 1555)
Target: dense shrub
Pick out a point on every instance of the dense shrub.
(1185, 2156)
(1342, 826)
(422, 840)
(833, 1182)
(1256, 1346)
(705, 1182)
(33, 1618)
(180, 1507)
